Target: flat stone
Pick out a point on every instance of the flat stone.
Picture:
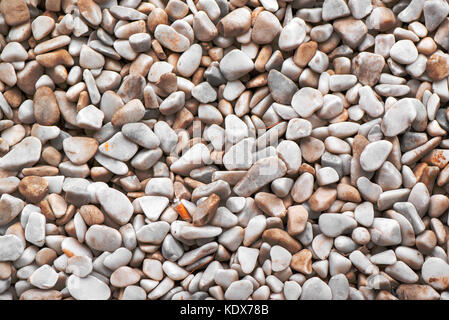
(260, 174)
(399, 116)
(80, 149)
(11, 247)
(103, 238)
(235, 64)
(375, 154)
(120, 210)
(334, 224)
(385, 232)
(315, 289)
(88, 288)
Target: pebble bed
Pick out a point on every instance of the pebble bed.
(224, 149)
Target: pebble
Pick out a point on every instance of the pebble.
(103, 238)
(375, 154)
(120, 210)
(235, 64)
(45, 277)
(214, 150)
(88, 288)
(315, 289)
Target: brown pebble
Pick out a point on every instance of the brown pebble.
(33, 188)
(438, 66)
(280, 237)
(46, 110)
(91, 214)
(45, 256)
(206, 210)
(14, 12)
(302, 261)
(305, 53)
(297, 219)
(322, 198)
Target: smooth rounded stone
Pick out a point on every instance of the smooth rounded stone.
(399, 116)
(280, 258)
(364, 214)
(352, 31)
(33, 188)
(45, 277)
(38, 294)
(282, 186)
(315, 289)
(368, 67)
(120, 210)
(247, 258)
(342, 82)
(266, 27)
(437, 66)
(79, 150)
(298, 128)
(8, 185)
(133, 111)
(13, 52)
(14, 12)
(385, 232)
(90, 117)
(435, 272)
(281, 87)
(401, 272)
(124, 276)
(90, 59)
(235, 23)
(240, 155)
(404, 52)
(334, 224)
(10, 207)
(140, 42)
(260, 174)
(417, 292)
(113, 165)
(256, 226)
(280, 237)
(153, 233)
(153, 206)
(235, 64)
(118, 147)
(42, 26)
(160, 187)
(292, 35)
(235, 129)
(80, 266)
(103, 238)
(339, 286)
(375, 154)
(204, 93)
(322, 198)
(194, 158)
(88, 288)
(369, 102)
(306, 101)
(171, 39)
(434, 13)
(239, 290)
(45, 106)
(189, 61)
(326, 176)
(292, 290)
(11, 247)
(145, 159)
(134, 293)
(35, 229)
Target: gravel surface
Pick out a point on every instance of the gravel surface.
(224, 149)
